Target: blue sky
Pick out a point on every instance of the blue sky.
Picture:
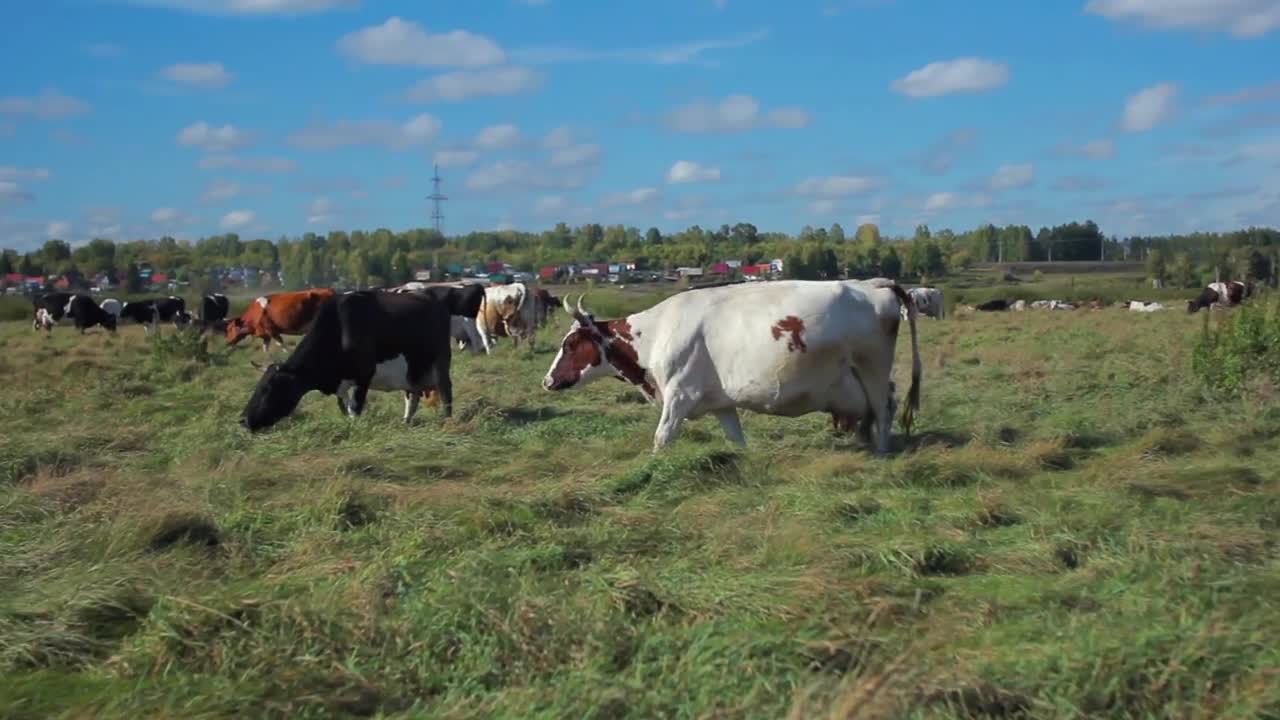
(138, 118)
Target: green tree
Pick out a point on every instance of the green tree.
(1182, 272)
(653, 236)
(868, 236)
(836, 233)
(8, 262)
(891, 264)
(1156, 267)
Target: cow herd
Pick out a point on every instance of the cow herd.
(784, 348)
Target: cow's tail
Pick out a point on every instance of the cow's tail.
(913, 394)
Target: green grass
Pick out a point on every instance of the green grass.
(1075, 531)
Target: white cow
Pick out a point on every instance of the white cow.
(507, 310)
(785, 348)
(928, 302)
(1139, 306)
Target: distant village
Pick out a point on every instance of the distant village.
(219, 278)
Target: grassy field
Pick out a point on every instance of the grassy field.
(1075, 531)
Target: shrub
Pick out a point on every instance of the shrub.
(187, 344)
(1037, 276)
(1240, 349)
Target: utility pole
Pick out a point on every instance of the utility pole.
(437, 214)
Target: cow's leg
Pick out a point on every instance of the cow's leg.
(732, 426)
(675, 407)
(411, 398)
(358, 398)
(341, 396)
(444, 386)
(280, 341)
(266, 344)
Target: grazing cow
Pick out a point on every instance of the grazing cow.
(1018, 305)
(1220, 294)
(928, 302)
(86, 313)
(993, 306)
(507, 311)
(361, 341)
(271, 316)
(49, 309)
(785, 348)
(214, 307)
(153, 311)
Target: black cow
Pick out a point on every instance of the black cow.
(151, 311)
(214, 309)
(362, 340)
(86, 313)
(464, 304)
(993, 306)
(49, 308)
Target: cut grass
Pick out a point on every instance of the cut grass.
(1068, 533)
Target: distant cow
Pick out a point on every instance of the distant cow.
(153, 311)
(507, 311)
(49, 309)
(112, 306)
(547, 304)
(928, 302)
(993, 306)
(285, 313)
(85, 313)
(361, 341)
(1219, 294)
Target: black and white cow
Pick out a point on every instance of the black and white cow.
(1219, 294)
(85, 313)
(214, 309)
(152, 311)
(360, 341)
(49, 309)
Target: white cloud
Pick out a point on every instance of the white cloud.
(687, 171)
(550, 204)
(212, 139)
(1149, 107)
(558, 139)
(838, 186)
(202, 76)
(821, 207)
(273, 165)
(455, 158)
(403, 42)
(720, 4)
(321, 210)
(417, 131)
(12, 192)
(250, 7)
(48, 105)
(962, 75)
(683, 54)
(630, 198)
(237, 219)
(517, 175)
(576, 156)
(734, 113)
(941, 201)
(164, 215)
(1094, 149)
(498, 137)
(1011, 177)
(219, 191)
(9, 172)
(102, 51)
(466, 84)
(57, 229)
(1241, 18)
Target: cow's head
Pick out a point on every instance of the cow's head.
(274, 397)
(582, 355)
(236, 331)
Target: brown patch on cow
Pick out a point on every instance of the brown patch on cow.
(620, 328)
(623, 357)
(793, 326)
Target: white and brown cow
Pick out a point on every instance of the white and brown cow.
(784, 348)
(507, 311)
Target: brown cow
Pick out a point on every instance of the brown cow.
(285, 313)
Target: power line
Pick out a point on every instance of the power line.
(437, 213)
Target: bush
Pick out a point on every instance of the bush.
(1240, 349)
(188, 344)
(1037, 276)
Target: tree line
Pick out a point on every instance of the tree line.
(381, 256)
